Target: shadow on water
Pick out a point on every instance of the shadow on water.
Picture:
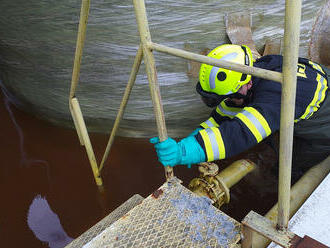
(44, 167)
(45, 224)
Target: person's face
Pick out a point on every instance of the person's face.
(243, 91)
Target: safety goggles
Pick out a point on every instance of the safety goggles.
(209, 98)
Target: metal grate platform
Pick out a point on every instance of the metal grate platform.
(106, 222)
(172, 216)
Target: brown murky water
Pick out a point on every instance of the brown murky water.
(40, 159)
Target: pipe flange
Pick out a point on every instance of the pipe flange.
(225, 189)
(208, 169)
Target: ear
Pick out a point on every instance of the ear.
(249, 85)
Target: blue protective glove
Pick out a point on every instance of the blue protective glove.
(195, 131)
(170, 153)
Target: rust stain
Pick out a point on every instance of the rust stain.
(295, 241)
(125, 216)
(306, 242)
(157, 193)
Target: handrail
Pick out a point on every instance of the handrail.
(288, 102)
(288, 78)
(73, 101)
(254, 71)
(84, 11)
(131, 80)
(290, 60)
(143, 26)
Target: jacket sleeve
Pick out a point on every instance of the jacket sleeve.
(241, 131)
(221, 113)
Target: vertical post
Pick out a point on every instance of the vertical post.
(73, 101)
(131, 80)
(290, 60)
(79, 45)
(143, 26)
(77, 59)
(88, 146)
(76, 124)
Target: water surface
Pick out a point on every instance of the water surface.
(38, 158)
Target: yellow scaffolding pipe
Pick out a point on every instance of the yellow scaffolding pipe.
(73, 101)
(131, 80)
(88, 146)
(288, 78)
(298, 195)
(288, 102)
(85, 4)
(79, 45)
(254, 71)
(143, 26)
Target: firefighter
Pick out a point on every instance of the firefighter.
(246, 110)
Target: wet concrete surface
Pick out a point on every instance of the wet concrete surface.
(38, 158)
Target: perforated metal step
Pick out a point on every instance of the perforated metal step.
(105, 222)
(172, 216)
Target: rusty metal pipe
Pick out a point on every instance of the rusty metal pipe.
(216, 185)
(235, 172)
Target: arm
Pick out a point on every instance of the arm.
(221, 113)
(247, 128)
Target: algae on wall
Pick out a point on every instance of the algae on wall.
(37, 44)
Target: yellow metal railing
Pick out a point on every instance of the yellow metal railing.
(145, 51)
(288, 102)
(73, 101)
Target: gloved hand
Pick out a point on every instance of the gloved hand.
(195, 131)
(187, 151)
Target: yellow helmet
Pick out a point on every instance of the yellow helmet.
(222, 81)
